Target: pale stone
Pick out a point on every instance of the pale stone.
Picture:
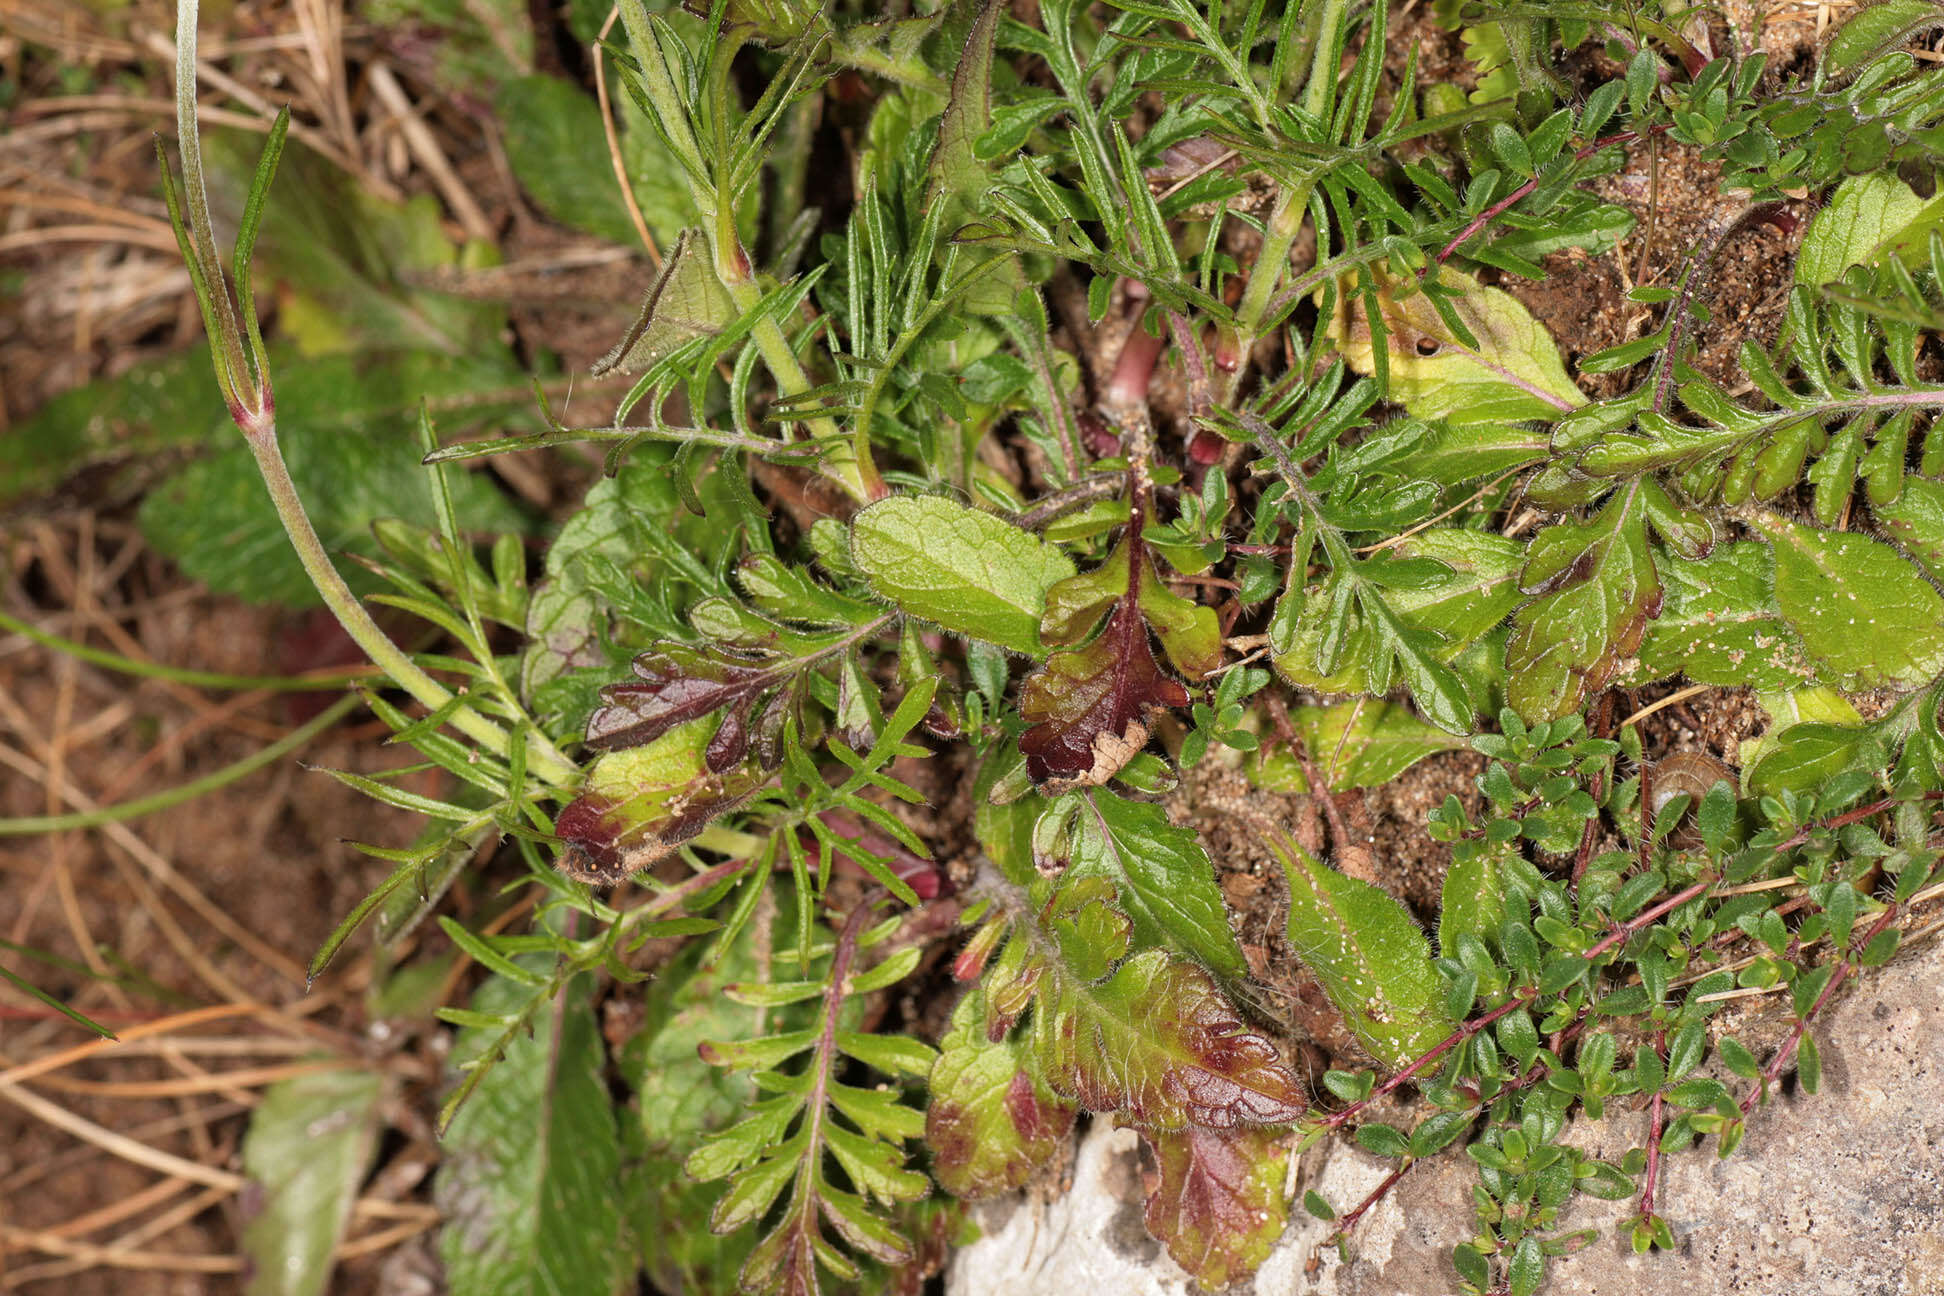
(1834, 1194)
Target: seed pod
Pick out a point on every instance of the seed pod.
(1688, 774)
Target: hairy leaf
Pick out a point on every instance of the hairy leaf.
(1915, 520)
(1470, 587)
(1594, 590)
(785, 1149)
(1215, 1198)
(681, 1099)
(1353, 745)
(1158, 1041)
(1867, 216)
(992, 1121)
(1864, 615)
(613, 578)
(1374, 963)
(1720, 624)
(677, 684)
(306, 1153)
(1161, 873)
(640, 803)
(1473, 900)
(958, 176)
(958, 567)
(1089, 706)
(1873, 29)
(528, 1182)
(686, 301)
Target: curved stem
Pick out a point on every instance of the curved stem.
(542, 757)
(312, 682)
(252, 404)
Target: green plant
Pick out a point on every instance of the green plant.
(864, 524)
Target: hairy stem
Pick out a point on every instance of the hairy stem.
(252, 404)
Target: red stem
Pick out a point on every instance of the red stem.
(1654, 1118)
(1849, 817)
(1626, 930)
(1780, 1062)
(1377, 1194)
(1493, 212)
(1456, 1037)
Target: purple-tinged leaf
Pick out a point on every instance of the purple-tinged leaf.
(1160, 1043)
(992, 1121)
(1090, 706)
(1215, 1198)
(677, 684)
(1091, 703)
(642, 803)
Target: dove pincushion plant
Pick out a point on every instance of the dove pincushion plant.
(1161, 394)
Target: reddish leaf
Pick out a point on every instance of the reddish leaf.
(1159, 1042)
(1090, 704)
(1216, 1199)
(679, 683)
(785, 1262)
(991, 1122)
(642, 803)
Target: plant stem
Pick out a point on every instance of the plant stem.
(1278, 237)
(1450, 1041)
(542, 757)
(850, 465)
(1780, 1061)
(252, 405)
(1376, 1195)
(1653, 1138)
(312, 682)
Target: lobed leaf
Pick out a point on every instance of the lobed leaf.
(1720, 624)
(1161, 874)
(992, 1120)
(1863, 614)
(1594, 589)
(1159, 1042)
(1353, 745)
